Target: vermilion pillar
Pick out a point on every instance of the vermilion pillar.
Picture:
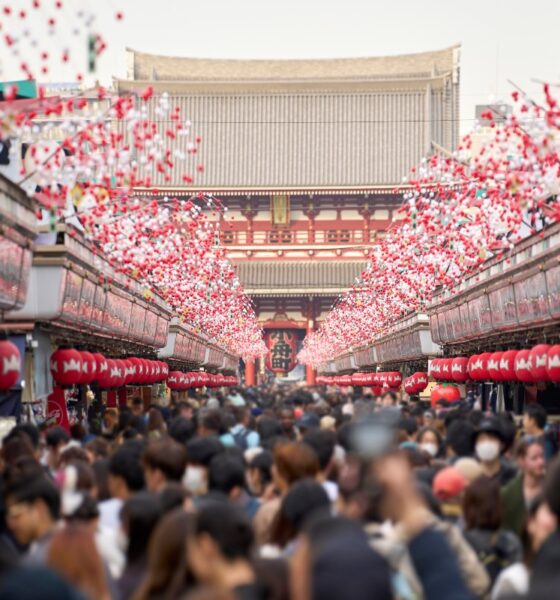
(250, 373)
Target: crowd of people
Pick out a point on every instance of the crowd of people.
(282, 493)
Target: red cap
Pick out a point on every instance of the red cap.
(449, 483)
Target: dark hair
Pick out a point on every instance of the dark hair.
(213, 421)
(167, 574)
(391, 394)
(99, 447)
(28, 429)
(125, 463)
(263, 462)
(137, 401)
(156, 421)
(167, 456)
(56, 436)
(482, 507)
(225, 473)
(228, 526)
(139, 516)
(31, 486)
(201, 450)
(537, 412)
(523, 444)
(72, 455)
(268, 427)
(101, 472)
(431, 430)
(172, 496)
(460, 437)
(304, 498)
(322, 442)
(552, 486)
(181, 429)
(16, 448)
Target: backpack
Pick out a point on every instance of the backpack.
(241, 439)
(496, 551)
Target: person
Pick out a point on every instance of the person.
(534, 426)
(181, 430)
(323, 442)
(219, 550)
(518, 494)
(459, 439)
(167, 574)
(126, 477)
(545, 574)
(32, 511)
(212, 425)
(244, 437)
(513, 581)
(156, 424)
(200, 452)
(389, 398)
(110, 424)
(226, 475)
(137, 407)
(56, 440)
(448, 486)
(259, 476)
(489, 443)
(72, 553)
(287, 422)
(496, 548)
(307, 422)
(429, 440)
(304, 498)
(139, 517)
(163, 461)
(292, 461)
(36, 583)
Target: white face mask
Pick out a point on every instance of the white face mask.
(488, 451)
(194, 480)
(430, 448)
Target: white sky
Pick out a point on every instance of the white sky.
(513, 39)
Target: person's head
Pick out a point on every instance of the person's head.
(242, 415)
(389, 398)
(222, 540)
(322, 442)
(482, 508)
(126, 474)
(137, 406)
(534, 419)
(167, 573)
(308, 422)
(211, 423)
(293, 461)
(449, 485)
(181, 429)
(489, 440)
(32, 505)
(541, 522)
(72, 454)
(268, 428)
(259, 473)
(97, 449)
(16, 449)
(287, 419)
(73, 554)
(110, 421)
(429, 440)
(460, 438)
(304, 498)
(156, 423)
(29, 430)
(200, 452)
(56, 438)
(530, 457)
(163, 461)
(469, 467)
(226, 474)
(139, 517)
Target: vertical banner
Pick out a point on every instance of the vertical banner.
(282, 350)
(56, 408)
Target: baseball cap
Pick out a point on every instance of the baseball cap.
(448, 483)
(308, 421)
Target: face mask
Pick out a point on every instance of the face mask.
(430, 448)
(194, 480)
(487, 451)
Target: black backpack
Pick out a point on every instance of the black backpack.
(241, 439)
(495, 550)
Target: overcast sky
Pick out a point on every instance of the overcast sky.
(501, 40)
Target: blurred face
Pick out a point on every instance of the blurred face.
(428, 437)
(542, 525)
(487, 447)
(534, 462)
(201, 556)
(23, 519)
(287, 420)
(387, 400)
(254, 481)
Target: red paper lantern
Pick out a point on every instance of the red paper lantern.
(121, 373)
(446, 364)
(89, 367)
(494, 371)
(164, 369)
(174, 380)
(394, 379)
(459, 369)
(101, 366)
(472, 366)
(129, 371)
(108, 376)
(435, 368)
(138, 364)
(66, 366)
(539, 361)
(10, 364)
(524, 366)
(553, 363)
(507, 365)
(420, 379)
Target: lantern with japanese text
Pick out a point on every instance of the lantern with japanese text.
(10, 364)
(553, 363)
(101, 366)
(66, 366)
(524, 366)
(494, 371)
(459, 369)
(282, 350)
(174, 380)
(539, 361)
(507, 365)
(420, 379)
(89, 367)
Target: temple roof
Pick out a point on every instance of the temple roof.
(146, 67)
(297, 277)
